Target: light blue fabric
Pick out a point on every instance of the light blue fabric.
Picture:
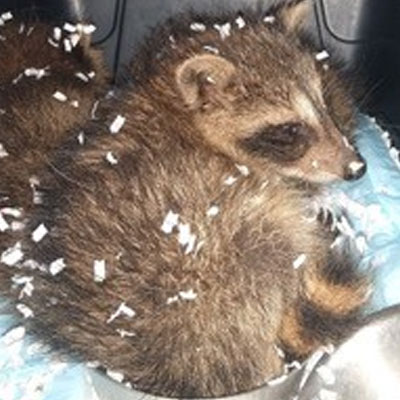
(372, 207)
(27, 372)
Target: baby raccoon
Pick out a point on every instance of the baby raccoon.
(176, 244)
(45, 90)
(49, 82)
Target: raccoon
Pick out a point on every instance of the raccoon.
(179, 249)
(44, 92)
(41, 68)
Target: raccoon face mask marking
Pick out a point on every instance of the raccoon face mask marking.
(282, 124)
(281, 143)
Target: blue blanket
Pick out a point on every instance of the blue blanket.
(372, 209)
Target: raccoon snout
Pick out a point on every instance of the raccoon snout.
(355, 169)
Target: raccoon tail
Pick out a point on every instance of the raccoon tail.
(328, 307)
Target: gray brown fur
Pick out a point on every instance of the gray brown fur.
(34, 123)
(183, 138)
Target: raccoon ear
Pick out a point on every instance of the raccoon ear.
(294, 14)
(202, 80)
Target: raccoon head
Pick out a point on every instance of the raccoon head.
(266, 102)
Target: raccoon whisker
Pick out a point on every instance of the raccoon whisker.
(391, 126)
(367, 95)
(64, 176)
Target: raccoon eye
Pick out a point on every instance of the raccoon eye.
(285, 142)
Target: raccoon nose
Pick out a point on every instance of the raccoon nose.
(355, 169)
